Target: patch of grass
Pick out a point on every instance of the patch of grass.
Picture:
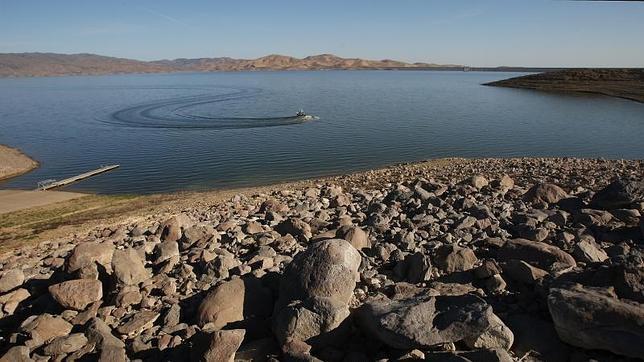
(36, 224)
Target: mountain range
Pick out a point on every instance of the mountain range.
(53, 64)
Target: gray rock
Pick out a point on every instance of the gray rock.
(222, 345)
(77, 294)
(16, 354)
(296, 227)
(11, 300)
(523, 272)
(100, 335)
(355, 236)
(46, 327)
(139, 322)
(535, 252)
(477, 181)
(128, 267)
(619, 194)
(496, 336)
(234, 301)
(426, 321)
(315, 290)
(165, 251)
(173, 316)
(504, 183)
(65, 344)
(172, 227)
(452, 258)
(545, 193)
(589, 252)
(590, 318)
(88, 253)
(11, 280)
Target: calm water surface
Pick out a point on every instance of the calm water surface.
(208, 130)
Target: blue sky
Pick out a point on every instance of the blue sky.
(472, 32)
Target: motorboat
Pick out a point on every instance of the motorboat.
(300, 113)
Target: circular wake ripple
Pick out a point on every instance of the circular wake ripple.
(155, 115)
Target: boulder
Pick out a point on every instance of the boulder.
(46, 327)
(619, 194)
(355, 236)
(477, 181)
(523, 272)
(171, 228)
(139, 322)
(88, 253)
(535, 252)
(16, 354)
(253, 227)
(77, 294)
(594, 319)
(165, 251)
(11, 280)
(11, 300)
(504, 183)
(588, 251)
(272, 205)
(222, 345)
(296, 227)
(415, 268)
(315, 291)
(233, 301)
(128, 267)
(452, 258)
(100, 335)
(496, 336)
(65, 344)
(545, 193)
(425, 321)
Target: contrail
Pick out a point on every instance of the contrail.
(161, 15)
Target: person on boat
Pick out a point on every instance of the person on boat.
(300, 113)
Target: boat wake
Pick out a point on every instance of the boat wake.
(176, 113)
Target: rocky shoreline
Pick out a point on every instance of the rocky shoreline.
(466, 260)
(14, 163)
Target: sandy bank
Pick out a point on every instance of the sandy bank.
(14, 163)
(14, 200)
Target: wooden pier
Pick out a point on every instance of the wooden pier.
(54, 184)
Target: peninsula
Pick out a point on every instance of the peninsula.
(622, 83)
(14, 163)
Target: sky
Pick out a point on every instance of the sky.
(540, 33)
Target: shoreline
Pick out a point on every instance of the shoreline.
(14, 162)
(617, 83)
(55, 221)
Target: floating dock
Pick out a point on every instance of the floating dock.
(52, 184)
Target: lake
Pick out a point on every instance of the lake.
(197, 131)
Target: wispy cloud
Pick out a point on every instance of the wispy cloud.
(163, 16)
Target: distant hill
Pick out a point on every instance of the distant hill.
(622, 83)
(51, 64)
(48, 64)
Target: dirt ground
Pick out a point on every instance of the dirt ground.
(14, 200)
(14, 163)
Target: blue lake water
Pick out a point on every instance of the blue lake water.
(196, 131)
